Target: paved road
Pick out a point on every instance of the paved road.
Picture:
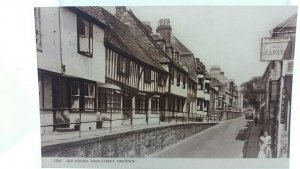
(221, 141)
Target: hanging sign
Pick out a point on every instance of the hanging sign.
(275, 48)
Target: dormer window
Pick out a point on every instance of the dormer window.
(84, 37)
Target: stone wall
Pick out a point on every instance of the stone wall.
(231, 115)
(136, 143)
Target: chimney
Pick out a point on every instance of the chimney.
(120, 10)
(165, 29)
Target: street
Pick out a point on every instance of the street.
(221, 141)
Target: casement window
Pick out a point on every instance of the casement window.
(85, 37)
(205, 106)
(89, 96)
(200, 84)
(171, 75)
(178, 78)
(207, 87)
(110, 100)
(38, 35)
(147, 75)
(200, 105)
(123, 66)
(183, 82)
(141, 104)
(160, 79)
(75, 93)
(155, 105)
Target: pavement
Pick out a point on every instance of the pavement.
(225, 140)
(252, 145)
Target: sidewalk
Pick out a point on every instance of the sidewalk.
(252, 146)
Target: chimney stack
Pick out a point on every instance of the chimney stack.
(165, 29)
(120, 10)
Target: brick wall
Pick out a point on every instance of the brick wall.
(137, 143)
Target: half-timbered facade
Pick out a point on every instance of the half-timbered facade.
(131, 72)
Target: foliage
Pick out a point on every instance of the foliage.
(249, 95)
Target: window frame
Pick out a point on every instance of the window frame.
(123, 66)
(147, 75)
(178, 78)
(90, 38)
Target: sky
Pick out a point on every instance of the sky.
(228, 36)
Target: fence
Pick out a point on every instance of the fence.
(67, 120)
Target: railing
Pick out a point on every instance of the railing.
(105, 118)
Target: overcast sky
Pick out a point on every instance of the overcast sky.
(228, 36)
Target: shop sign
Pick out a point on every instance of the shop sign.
(275, 48)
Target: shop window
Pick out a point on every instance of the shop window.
(123, 66)
(85, 37)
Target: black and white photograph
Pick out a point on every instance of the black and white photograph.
(114, 84)
(124, 85)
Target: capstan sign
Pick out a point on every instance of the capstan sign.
(275, 48)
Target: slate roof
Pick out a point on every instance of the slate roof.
(122, 36)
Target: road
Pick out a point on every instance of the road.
(224, 140)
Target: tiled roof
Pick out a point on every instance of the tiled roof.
(188, 61)
(288, 23)
(122, 36)
(179, 46)
(141, 31)
(200, 67)
(186, 57)
(93, 11)
(158, 54)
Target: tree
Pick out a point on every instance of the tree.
(249, 95)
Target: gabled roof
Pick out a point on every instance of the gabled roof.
(158, 54)
(179, 46)
(121, 36)
(200, 67)
(93, 11)
(142, 31)
(291, 22)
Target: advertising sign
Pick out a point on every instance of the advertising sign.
(275, 48)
